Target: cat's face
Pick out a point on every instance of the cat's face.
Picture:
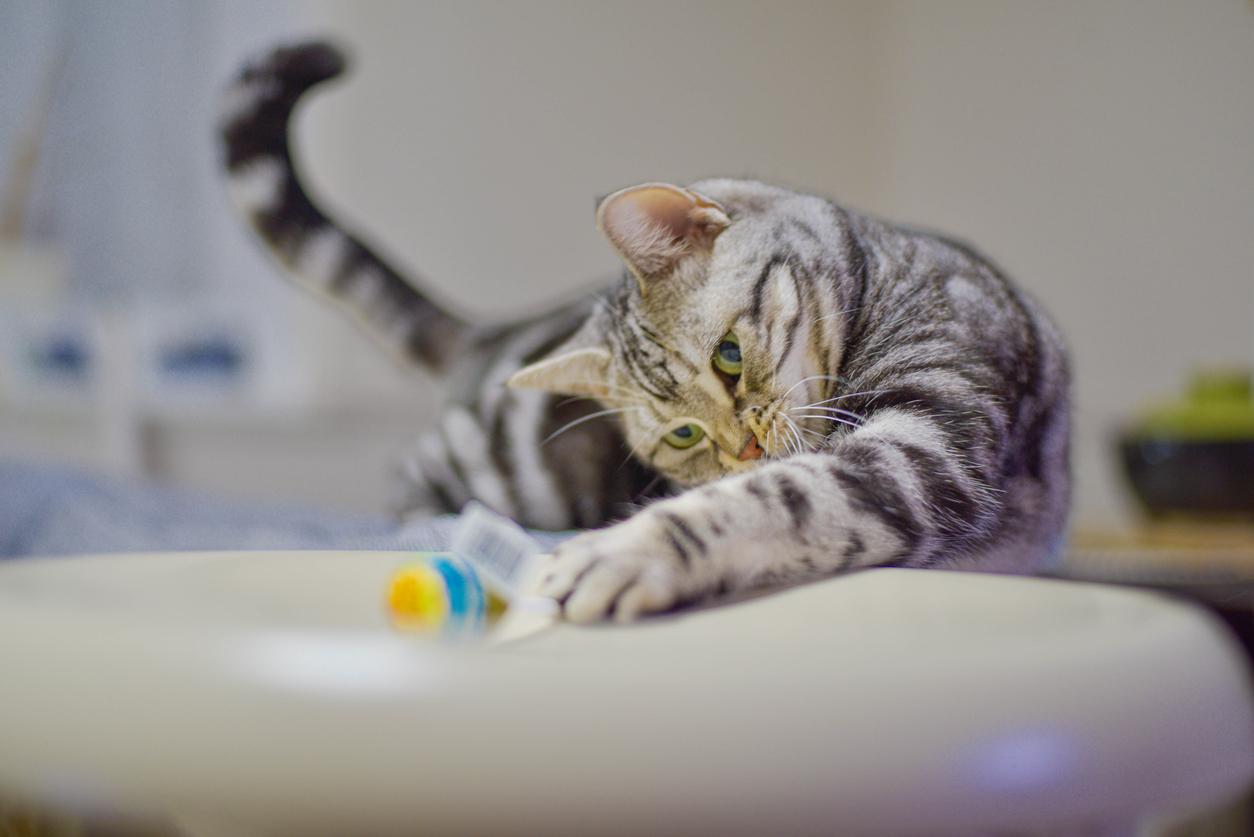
(718, 353)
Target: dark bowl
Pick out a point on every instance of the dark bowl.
(1200, 479)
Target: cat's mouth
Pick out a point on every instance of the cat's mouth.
(751, 450)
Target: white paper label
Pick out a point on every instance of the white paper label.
(499, 549)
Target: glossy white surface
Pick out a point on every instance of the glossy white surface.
(263, 691)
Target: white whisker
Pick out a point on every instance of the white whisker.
(780, 439)
(791, 442)
(834, 419)
(849, 395)
(792, 428)
(836, 314)
(583, 419)
(806, 379)
(836, 411)
(631, 453)
(802, 447)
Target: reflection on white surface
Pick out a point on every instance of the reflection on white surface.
(77, 791)
(334, 664)
(1024, 759)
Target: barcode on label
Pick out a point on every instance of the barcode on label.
(497, 547)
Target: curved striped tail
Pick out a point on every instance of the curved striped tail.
(254, 131)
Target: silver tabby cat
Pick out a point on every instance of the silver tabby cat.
(779, 388)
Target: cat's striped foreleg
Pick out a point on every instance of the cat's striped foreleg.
(894, 492)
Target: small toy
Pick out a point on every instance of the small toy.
(438, 592)
(487, 576)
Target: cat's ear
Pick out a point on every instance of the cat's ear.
(567, 372)
(654, 226)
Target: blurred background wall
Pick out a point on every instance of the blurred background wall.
(1100, 151)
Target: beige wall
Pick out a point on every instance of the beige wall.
(1103, 152)
(473, 138)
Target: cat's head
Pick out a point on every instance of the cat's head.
(719, 350)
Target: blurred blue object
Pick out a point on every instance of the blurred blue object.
(49, 510)
(210, 357)
(63, 356)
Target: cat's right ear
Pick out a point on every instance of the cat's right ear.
(656, 226)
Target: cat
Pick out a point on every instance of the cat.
(777, 389)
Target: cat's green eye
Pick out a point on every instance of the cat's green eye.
(684, 436)
(727, 356)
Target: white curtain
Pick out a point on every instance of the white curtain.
(128, 184)
(128, 181)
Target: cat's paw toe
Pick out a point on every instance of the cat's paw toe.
(567, 568)
(595, 580)
(650, 593)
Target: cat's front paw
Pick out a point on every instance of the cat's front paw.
(622, 572)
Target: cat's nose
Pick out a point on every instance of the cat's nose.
(753, 419)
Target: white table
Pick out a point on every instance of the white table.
(263, 692)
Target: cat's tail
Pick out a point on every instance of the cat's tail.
(254, 126)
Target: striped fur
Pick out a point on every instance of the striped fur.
(254, 127)
(901, 402)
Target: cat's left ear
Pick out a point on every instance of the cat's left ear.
(580, 365)
(654, 226)
(567, 372)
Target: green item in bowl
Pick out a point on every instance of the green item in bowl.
(1194, 458)
(1219, 407)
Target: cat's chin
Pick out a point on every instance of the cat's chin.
(732, 465)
